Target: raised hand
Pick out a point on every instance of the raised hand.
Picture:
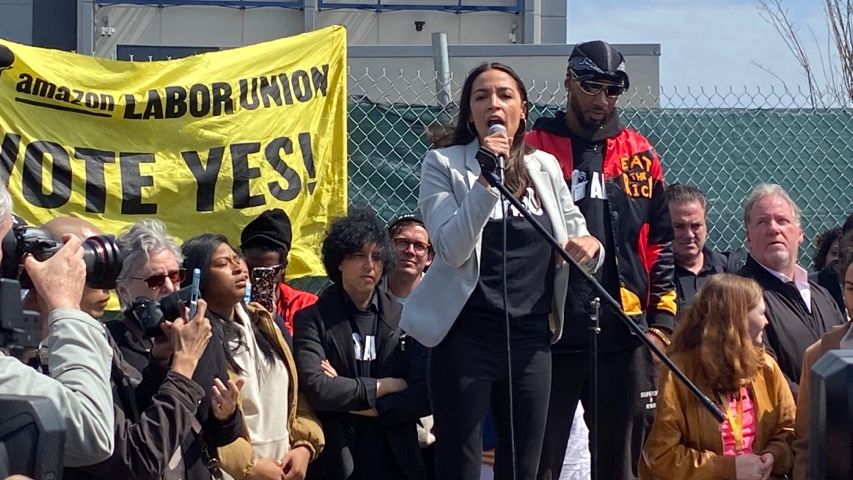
(223, 399)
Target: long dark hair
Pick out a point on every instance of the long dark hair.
(464, 133)
(198, 253)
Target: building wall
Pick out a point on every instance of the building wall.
(192, 26)
(16, 20)
(542, 67)
(230, 27)
(398, 27)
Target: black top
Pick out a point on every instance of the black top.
(363, 323)
(530, 266)
(828, 279)
(361, 447)
(212, 364)
(791, 327)
(589, 194)
(688, 283)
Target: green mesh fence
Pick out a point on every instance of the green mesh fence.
(748, 138)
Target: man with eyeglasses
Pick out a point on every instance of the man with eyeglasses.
(414, 254)
(616, 180)
(265, 242)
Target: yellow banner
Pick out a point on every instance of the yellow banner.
(203, 143)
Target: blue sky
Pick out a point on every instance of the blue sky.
(704, 43)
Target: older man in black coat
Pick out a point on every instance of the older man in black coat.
(799, 311)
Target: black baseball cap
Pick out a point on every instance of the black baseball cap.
(598, 60)
(271, 227)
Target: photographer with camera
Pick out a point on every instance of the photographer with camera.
(145, 440)
(179, 427)
(80, 355)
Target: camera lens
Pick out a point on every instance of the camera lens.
(103, 261)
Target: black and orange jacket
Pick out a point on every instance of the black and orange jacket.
(639, 216)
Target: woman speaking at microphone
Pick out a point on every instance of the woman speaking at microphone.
(490, 327)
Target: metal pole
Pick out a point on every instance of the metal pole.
(310, 15)
(594, 331)
(85, 27)
(441, 64)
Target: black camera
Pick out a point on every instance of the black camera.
(102, 256)
(19, 329)
(150, 314)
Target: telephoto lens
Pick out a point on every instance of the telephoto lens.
(101, 254)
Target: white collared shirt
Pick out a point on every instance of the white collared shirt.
(801, 280)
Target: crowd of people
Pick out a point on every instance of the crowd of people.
(456, 317)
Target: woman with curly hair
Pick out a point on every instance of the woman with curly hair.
(718, 344)
(365, 378)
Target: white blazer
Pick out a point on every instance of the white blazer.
(455, 208)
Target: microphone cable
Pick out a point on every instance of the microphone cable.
(512, 448)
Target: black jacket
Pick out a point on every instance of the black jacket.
(323, 331)
(791, 328)
(828, 279)
(146, 440)
(687, 283)
(637, 232)
(156, 416)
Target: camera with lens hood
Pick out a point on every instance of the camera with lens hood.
(102, 256)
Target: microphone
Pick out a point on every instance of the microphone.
(495, 129)
(491, 163)
(6, 57)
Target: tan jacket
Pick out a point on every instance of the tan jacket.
(829, 341)
(305, 430)
(685, 441)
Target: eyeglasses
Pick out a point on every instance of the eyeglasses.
(402, 244)
(157, 281)
(593, 88)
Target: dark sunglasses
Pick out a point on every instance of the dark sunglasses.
(156, 281)
(593, 88)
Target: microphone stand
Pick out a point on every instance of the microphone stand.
(594, 329)
(606, 298)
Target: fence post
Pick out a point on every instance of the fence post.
(441, 64)
(85, 27)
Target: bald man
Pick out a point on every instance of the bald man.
(94, 300)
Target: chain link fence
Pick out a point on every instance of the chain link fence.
(723, 140)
